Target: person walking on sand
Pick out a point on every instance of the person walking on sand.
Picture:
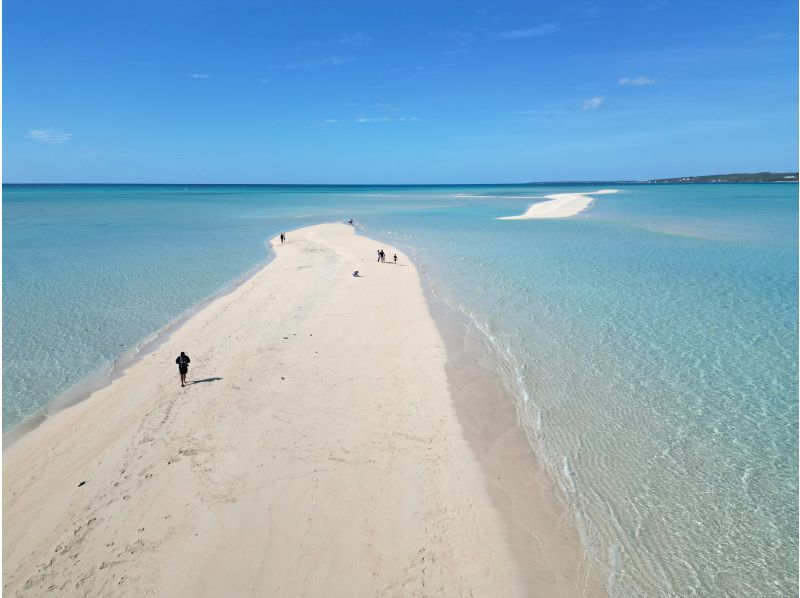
(395, 259)
(283, 238)
(183, 366)
(379, 254)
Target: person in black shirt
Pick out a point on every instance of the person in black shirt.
(183, 366)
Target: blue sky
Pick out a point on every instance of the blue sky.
(396, 92)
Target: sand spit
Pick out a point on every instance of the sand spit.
(561, 205)
(315, 452)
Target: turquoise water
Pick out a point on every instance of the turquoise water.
(651, 340)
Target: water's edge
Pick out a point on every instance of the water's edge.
(474, 376)
(532, 503)
(105, 375)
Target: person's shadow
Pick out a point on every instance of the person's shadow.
(205, 380)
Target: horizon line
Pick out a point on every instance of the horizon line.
(587, 181)
(450, 184)
(446, 184)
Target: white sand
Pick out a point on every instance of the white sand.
(561, 205)
(316, 452)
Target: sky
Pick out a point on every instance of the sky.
(372, 92)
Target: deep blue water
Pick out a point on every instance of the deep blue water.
(651, 340)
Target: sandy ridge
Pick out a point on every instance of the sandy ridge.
(561, 205)
(316, 454)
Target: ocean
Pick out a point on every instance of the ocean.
(651, 341)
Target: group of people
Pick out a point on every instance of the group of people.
(381, 259)
(183, 359)
(382, 256)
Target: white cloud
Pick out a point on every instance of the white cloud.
(385, 119)
(335, 61)
(199, 76)
(656, 5)
(593, 103)
(331, 61)
(307, 45)
(529, 32)
(328, 122)
(775, 37)
(356, 39)
(637, 81)
(49, 136)
(588, 11)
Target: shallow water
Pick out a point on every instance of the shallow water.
(651, 340)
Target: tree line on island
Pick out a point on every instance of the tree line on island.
(741, 177)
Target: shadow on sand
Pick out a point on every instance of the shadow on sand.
(205, 380)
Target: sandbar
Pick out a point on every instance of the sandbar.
(316, 451)
(561, 205)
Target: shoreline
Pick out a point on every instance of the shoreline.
(476, 370)
(510, 470)
(561, 205)
(105, 375)
(515, 475)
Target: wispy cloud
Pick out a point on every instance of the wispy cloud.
(460, 51)
(539, 115)
(328, 122)
(331, 61)
(386, 119)
(335, 61)
(637, 81)
(307, 45)
(49, 136)
(587, 11)
(655, 5)
(593, 103)
(199, 76)
(539, 31)
(775, 37)
(355, 39)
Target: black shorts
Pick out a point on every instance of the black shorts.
(183, 369)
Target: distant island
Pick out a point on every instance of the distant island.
(758, 177)
(740, 177)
